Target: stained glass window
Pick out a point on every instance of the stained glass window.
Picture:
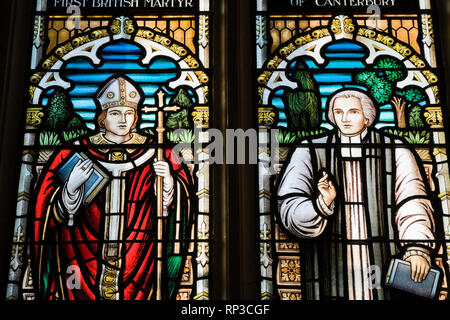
(106, 208)
(359, 186)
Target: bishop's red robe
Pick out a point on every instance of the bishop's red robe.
(60, 251)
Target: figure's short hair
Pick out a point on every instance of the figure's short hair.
(102, 116)
(369, 110)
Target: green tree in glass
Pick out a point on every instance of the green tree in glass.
(383, 88)
(415, 118)
(61, 116)
(303, 107)
(180, 120)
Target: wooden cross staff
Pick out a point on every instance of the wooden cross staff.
(161, 109)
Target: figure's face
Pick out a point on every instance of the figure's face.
(349, 116)
(119, 120)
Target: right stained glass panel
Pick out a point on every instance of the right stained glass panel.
(353, 169)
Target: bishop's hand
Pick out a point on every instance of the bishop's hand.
(327, 189)
(79, 175)
(162, 169)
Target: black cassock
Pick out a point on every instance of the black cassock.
(382, 209)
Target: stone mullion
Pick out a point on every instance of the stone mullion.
(203, 220)
(429, 48)
(266, 259)
(435, 121)
(33, 120)
(261, 34)
(201, 119)
(266, 118)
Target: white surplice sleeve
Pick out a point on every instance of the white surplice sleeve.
(301, 213)
(70, 202)
(168, 194)
(414, 217)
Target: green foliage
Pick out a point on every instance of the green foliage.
(59, 111)
(380, 89)
(415, 118)
(72, 135)
(412, 95)
(289, 137)
(387, 63)
(47, 138)
(286, 137)
(61, 115)
(395, 132)
(182, 100)
(418, 137)
(186, 136)
(413, 137)
(393, 66)
(76, 122)
(382, 85)
(180, 120)
(303, 105)
(304, 134)
(149, 132)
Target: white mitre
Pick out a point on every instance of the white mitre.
(119, 92)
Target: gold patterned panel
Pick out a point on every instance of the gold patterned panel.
(288, 272)
(341, 21)
(431, 77)
(108, 284)
(283, 244)
(117, 156)
(406, 30)
(37, 77)
(61, 30)
(179, 51)
(437, 94)
(188, 276)
(202, 76)
(201, 117)
(192, 62)
(290, 294)
(273, 64)
(206, 93)
(34, 118)
(266, 118)
(433, 116)
(282, 30)
(419, 63)
(183, 31)
(390, 42)
(184, 294)
(381, 25)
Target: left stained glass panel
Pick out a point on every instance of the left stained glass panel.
(106, 209)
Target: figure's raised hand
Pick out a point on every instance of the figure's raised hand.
(79, 175)
(327, 189)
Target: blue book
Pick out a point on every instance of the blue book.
(399, 277)
(95, 183)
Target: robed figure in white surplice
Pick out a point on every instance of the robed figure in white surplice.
(360, 198)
